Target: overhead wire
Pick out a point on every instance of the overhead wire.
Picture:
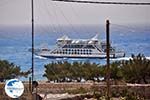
(83, 27)
(129, 28)
(60, 26)
(66, 19)
(52, 24)
(40, 9)
(56, 16)
(106, 2)
(55, 13)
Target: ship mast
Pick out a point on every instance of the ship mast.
(32, 12)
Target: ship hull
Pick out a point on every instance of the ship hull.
(98, 56)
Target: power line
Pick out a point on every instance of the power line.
(108, 3)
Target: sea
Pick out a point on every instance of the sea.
(15, 42)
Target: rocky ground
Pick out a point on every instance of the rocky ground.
(79, 91)
(58, 96)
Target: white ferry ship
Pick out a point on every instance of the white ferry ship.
(79, 48)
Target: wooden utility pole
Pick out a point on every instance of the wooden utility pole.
(32, 12)
(108, 61)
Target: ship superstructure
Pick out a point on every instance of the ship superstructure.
(79, 48)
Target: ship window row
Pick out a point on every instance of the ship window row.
(73, 51)
(77, 50)
(79, 46)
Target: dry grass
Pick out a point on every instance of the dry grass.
(116, 90)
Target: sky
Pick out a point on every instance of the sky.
(47, 12)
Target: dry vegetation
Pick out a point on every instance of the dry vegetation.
(86, 90)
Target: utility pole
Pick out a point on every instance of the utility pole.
(32, 11)
(108, 61)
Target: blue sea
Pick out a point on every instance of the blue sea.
(16, 40)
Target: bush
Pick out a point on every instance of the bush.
(10, 70)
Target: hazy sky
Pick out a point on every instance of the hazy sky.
(18, 12)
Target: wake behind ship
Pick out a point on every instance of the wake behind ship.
(79, 48)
